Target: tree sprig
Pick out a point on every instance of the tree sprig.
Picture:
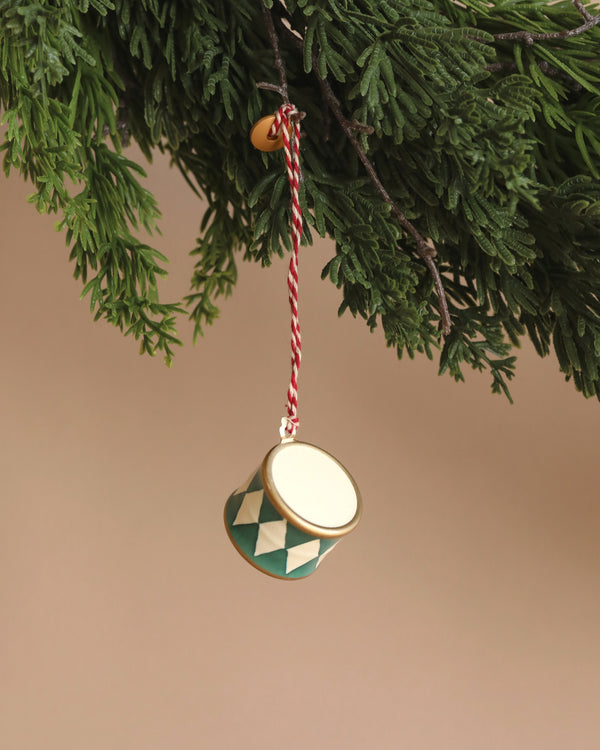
(468, 127)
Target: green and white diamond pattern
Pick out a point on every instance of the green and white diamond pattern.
(267, 539)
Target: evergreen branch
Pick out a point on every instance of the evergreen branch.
(122, 121)
(123, 109)
(501, 171)
(426, 251)
(123, 113)
(529, 37)
(326, 119)
(545, 67)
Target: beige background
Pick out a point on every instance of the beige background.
(462, 614)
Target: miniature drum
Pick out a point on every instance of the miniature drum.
(292, 510)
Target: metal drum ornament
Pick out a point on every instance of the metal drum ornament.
(292, 510)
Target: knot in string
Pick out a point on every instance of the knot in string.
(287, 125)
(288, 428)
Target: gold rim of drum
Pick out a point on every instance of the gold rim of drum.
(330, 532)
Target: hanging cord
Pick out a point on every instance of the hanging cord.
(284, 122)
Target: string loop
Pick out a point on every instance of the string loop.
(286, 121)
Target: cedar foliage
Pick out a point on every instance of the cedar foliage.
(490, 147)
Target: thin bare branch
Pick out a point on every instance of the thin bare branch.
(530, 38)
(583, 10)
(272, 87)
(282, 89)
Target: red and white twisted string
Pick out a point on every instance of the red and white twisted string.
(284, 122)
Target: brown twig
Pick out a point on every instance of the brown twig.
(273, 87)
(530, 38)
(282, 89)
(426, 251)
(583, 10)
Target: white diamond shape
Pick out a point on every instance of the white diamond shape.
(271, 536)
(250, 508)
(327, 551)
(301, 554)
(246, 484)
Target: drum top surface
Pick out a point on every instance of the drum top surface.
(313, 484)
